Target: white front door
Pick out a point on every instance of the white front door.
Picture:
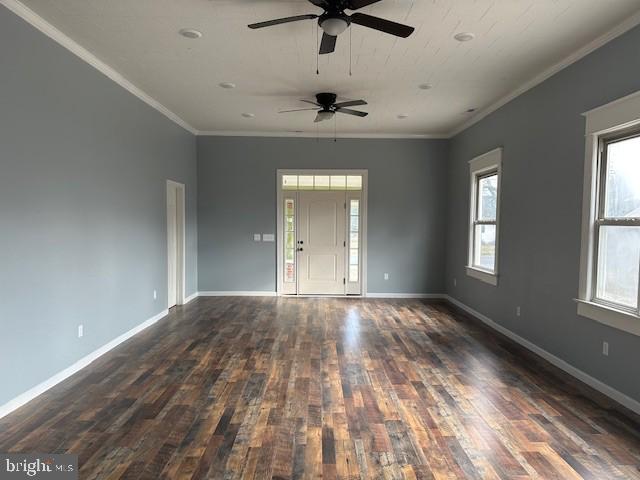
(321, 243)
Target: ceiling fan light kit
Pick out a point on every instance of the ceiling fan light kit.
(334, 26)
(324, 115)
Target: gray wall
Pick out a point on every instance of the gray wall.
(83, 166)
(542, 133)
(237, 197)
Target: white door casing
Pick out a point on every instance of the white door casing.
(175, 243)
(288, 284)
(321, 243)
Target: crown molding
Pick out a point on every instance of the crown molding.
(258, 133)
(74, 47)
(625, 26)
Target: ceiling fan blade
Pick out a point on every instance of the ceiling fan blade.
(311, 102)
(328, 44)
(348, 111)
(386, 26)
(320, 3)
(352, 103)
(298, 110)
(356, 4)
(279, 21)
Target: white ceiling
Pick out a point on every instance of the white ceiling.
(515, 41)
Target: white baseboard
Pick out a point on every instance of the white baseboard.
(238, 293)
(39, 389)
(407, 295)
(234, 293)
(594, 383)
(191, 297)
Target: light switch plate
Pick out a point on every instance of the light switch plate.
(268, 237)
(256, 237)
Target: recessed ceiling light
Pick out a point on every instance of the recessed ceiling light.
(425, 86)
(190, 33)
(464, 36)
(248, 115)
(227, 85)
(402, 116)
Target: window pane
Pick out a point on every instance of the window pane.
(289, 255)
(354, 224)
(354, 182)
(618, 264)
(353, 240)
(288, 207)
(290, 269)
(289, 224)
(623, 179)
(290, 240)
(289, 182)
(321, 182)
(353, 256)
(353, 273)
(305, 182)
(338, 182)
(484, 251)
(355, 207)
(487, 197)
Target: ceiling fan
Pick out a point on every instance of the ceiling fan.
(328, 107)
(334, 21)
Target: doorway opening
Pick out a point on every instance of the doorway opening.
(175, 243)
(322, 232)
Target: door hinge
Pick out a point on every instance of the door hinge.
(344, 244)
(345, 205)
(344, 281)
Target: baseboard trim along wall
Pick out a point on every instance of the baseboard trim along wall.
(191, 297)
(237, 294)
(594, 383)
(39, 389)
(233, 293)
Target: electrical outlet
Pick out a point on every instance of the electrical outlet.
(155, 294)
(605, 349)
(80, 331)
(518, 310)
(386, 276)
(455, 282)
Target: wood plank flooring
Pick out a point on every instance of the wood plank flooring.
(279, 388)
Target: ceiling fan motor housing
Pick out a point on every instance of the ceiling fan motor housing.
(326, 99)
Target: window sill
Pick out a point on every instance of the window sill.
(619, 319)
(483, 275)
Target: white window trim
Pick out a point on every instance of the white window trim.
(484, 163)
(620, 114)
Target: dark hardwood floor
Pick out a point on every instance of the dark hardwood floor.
(333, 388)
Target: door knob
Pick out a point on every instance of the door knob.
(300, 249)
